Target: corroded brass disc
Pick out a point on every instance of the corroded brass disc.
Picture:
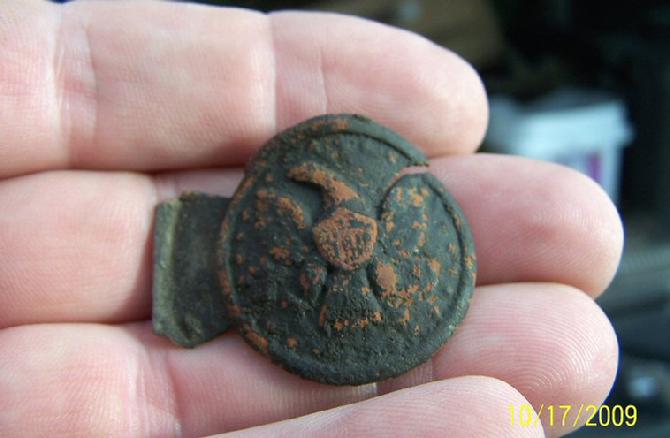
(335, 266)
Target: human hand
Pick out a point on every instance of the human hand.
(106, 108)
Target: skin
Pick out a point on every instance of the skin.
(106, 108)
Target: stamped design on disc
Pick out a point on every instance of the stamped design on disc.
(337, 267)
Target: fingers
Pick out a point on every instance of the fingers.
(77, 244)
(95, 380)
(516, 333)
(535, 221)
(460, 407)
(128, 379)
(155, 85)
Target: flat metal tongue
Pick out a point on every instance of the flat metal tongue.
(188, 304)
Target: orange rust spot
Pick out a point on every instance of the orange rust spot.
(346, 239)
(365, 290)
(422, 239)
(416, 225)
(322, 315)
(239, 259)
(399, 195)
(316, 351)
(436, 266)
(387, 218)
(292, 342)
(469, 262)
(377, 316)
(257, 340)
(362, 323)
(416, 270)
(281, 254)
(415, 198)
(241, 191)
(225, 283)
(336, 190)
(432, 300)
(340, 324)
(341, 124)
(225, 229)
(453, 249)
(317, 125)
(253, 270)
(288, 206)
(233, 310)
(269, 178)
(405, 317)
(413, 289)
(386, 278)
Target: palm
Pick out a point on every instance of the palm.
(95, 98)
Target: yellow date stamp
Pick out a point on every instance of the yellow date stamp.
(573, 415)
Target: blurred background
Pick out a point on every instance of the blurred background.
(586, 84)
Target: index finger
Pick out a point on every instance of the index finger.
(144, 86)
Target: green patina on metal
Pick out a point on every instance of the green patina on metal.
(329, 261)
(187, 301)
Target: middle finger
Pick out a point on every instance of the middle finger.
(78, 243)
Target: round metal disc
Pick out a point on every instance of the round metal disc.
(334, 265)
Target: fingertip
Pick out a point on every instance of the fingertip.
(332, 63)
(535, 221)
(551, 342)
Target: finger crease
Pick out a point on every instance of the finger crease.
(323, 80)
(62, 122)
(173, 405)
(94, 87)
(273, 51)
